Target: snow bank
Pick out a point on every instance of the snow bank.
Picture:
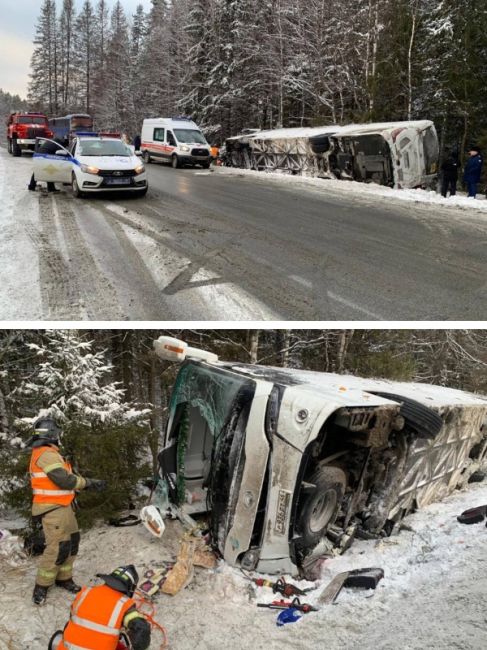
(362, 190)
(432, 596)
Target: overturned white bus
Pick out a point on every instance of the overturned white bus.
(396, 154)
(289, 465)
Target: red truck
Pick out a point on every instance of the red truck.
(23, 129)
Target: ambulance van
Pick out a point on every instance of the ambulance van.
(177, 141)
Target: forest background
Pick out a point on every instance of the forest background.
(111, 392)
(233, 64)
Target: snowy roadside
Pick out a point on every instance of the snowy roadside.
(362, 190)
(433, 595)
(19, 225)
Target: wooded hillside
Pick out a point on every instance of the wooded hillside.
(232, 64)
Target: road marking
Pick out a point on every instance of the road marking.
(300, 280)
(353, 305)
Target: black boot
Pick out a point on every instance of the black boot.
(69, 584)
(39, 595)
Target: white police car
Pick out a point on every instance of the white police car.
(94, 164)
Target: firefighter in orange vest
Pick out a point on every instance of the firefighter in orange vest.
(54, 488)
(105, 617)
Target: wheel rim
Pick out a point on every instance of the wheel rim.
(323, 511)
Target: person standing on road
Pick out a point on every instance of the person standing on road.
(473, 171)
(449, 170)
(48, 147)
(54, 488)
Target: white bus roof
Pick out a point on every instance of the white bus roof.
(351, 390)
(332, 129)
(380, 127)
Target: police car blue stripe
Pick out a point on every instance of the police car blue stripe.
(50, 156)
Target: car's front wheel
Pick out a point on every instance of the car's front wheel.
(75, 187)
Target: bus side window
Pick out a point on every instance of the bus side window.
(171, 140)
(159, 135)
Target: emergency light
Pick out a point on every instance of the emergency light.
(171, 349)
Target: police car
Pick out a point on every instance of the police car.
(94, 163)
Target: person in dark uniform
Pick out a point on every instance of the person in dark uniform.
(449, 170)
(473, 171)
(48, 147)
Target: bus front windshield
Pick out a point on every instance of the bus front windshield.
(83, 122)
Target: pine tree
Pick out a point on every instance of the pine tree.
(84, 46)
(116, 108)
(67, 54)
(42, 91)
(70, 383)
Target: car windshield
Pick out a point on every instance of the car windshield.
(104, 148)
(190, 136)
(32, 120)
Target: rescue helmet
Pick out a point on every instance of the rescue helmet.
(123, 578)
(46, 429)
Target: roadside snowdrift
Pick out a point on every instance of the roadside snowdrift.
(366, 190)
(434, 593)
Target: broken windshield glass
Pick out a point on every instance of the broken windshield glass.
(209, 391)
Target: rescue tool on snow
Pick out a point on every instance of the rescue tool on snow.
(281, 586)
(289, 604)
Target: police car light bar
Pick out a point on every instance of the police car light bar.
(170, 349)
(86, 134)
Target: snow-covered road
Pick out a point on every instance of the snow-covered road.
(227, 245)
(433, 596)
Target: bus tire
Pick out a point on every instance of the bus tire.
(321, 506)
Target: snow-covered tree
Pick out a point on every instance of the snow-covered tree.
(72, 383)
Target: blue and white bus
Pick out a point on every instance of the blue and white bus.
(64, 128)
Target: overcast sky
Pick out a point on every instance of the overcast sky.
(17, 29)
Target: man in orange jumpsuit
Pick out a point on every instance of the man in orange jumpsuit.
(102, 615)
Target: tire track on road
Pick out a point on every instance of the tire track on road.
(96, 296)
(59, 292)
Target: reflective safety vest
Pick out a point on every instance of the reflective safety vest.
(43, 489)
(97, 615)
